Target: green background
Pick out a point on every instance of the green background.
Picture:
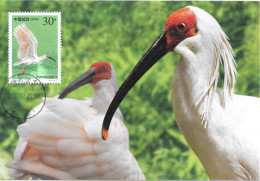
(120, 33)
(47, 37)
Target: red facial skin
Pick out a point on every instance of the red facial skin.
(47, 56)
(103, 71)
(175, 31)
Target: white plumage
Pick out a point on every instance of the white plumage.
(27, 52)
(222, 128)
(63, 141)
(27, 41)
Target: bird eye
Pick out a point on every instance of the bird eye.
(104, 68)
(181, 26)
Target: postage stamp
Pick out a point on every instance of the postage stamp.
(34, 47)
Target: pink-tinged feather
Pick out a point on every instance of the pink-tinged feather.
(67, 144)
(22, 39)
(27, 42)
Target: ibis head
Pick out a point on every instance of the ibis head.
(179, 26)
(47, 56)
(98, 71)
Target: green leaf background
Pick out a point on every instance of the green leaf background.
(120, 33)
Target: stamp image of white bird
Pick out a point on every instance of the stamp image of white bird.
(27, 52)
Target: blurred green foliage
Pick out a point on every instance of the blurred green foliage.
(121, 32)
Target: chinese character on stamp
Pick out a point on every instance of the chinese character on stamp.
(35, 46)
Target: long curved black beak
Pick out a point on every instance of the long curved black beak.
(154, 53)
(85, 78)
(52, 59)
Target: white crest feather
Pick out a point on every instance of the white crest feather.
(223, 53)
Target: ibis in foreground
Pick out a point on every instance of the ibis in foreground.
(63, 141)
(221, 127)
(27, 52)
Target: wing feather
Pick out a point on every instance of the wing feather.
(68, 162)
(38, 168)
(26, 40)
(20, 148)
(73, 148)
(22, 40)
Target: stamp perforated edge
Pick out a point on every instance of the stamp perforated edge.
(44, 81)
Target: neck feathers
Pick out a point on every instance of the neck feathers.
(41, 58)
(222, 51)
(201, 58)
(104, 92)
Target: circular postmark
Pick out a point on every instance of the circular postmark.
(20, 97)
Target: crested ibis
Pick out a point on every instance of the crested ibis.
(63, 141)
(27, 52)
(221, 127)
